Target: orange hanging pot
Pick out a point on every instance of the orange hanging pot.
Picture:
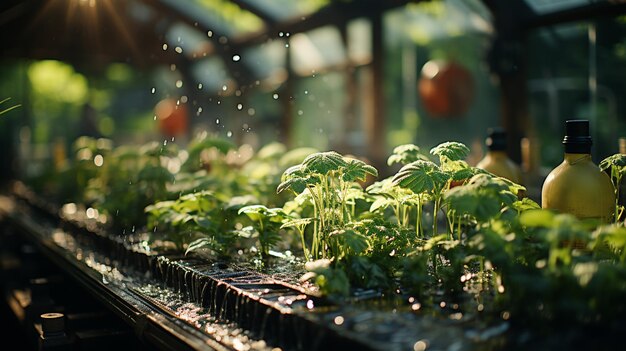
(172, 118)
(446, 89)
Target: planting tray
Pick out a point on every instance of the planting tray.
(177, 302)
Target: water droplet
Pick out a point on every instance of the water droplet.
(164, 47)
(239, 107)
(217, 121)
(184, 99)
(154, 118)
(421, 345)
(179, 83)
(236, 58)
(229, 134)
(199, 111)
(300, 112)
(199, 86)
(178, 49)
(223, 40)
(310, 304)
(172, 67)
(98, 160)
(164, 142)
(306, 92)
(153, 90)
(287, 45)
(224, 87)
(275, 96)
(339, 320)
(209, 34)
(280, 34)
(251, 111)
(178, 39)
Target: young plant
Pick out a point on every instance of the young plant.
(192, 222)
(617, 166)
(328, 177)
(267, 224)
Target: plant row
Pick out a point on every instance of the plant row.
(437, 230)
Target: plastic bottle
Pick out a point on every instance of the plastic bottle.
(497, 161)
(577, 186)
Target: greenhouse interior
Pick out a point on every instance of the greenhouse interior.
(312, 174)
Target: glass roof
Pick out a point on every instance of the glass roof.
(542, 7)
(212, 74)
(317, 49)
(187, 40)
(281, 10)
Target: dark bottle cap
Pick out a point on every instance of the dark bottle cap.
(496, 139)
(577, 139)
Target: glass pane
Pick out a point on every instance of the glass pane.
(287, 9)
(546, 6)
(317, 49)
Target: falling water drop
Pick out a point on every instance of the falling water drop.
(217, 121)
(164, 47)
(153, 90)
(178, 49)
(98, 160)
(199, 86)
(224, 87)
(275, 96)
(229, 134)
(209, 34)
(239, 107)
(236, 58)
(179, 83)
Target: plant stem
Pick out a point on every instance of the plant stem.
(435, 210)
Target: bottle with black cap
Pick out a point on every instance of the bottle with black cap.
(577, 186)
(497, 161)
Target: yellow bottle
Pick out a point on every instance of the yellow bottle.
(496, 161)
(577, 186)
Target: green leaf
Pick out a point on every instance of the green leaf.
(537, 218)
(357, 242)
(273, 150)
(357, 170)
(297, 222)
(200, 244)
(296, 184)
(406, 154)
(323, 162)
(381, 203)
(417, 176)
(451, 151)
(525, 204)
(617, 160)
